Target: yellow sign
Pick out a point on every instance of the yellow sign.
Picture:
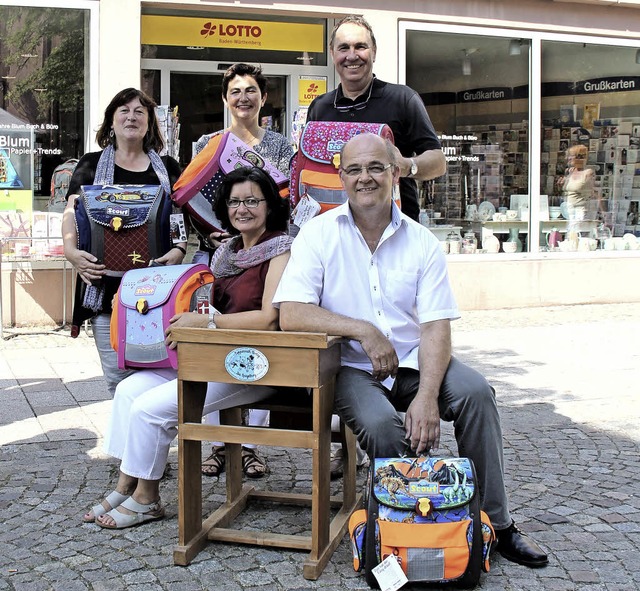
(237, 34)
(309, 87)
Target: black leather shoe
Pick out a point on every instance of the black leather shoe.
(520, 548)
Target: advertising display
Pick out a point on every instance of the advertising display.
(237, 34)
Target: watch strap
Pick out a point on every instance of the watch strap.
(414, 168)
(212, 313)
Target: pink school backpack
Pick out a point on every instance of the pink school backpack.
(314, 168)
(146, 300)
(195, 190)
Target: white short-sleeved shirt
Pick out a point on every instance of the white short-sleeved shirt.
(401, 285)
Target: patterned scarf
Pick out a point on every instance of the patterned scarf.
(227, 262)
(94, 294)
(107, 162)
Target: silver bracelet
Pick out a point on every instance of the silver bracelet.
(212, 313)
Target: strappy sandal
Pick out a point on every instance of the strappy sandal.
(140, 514)
(214, 464)
(253, 465)
(113, 499)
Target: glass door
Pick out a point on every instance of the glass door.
(201, 109)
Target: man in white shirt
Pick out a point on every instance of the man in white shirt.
(367, 272)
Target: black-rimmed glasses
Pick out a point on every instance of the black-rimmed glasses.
(251, 202)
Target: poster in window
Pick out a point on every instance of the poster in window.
(567, 114)
(590, 113)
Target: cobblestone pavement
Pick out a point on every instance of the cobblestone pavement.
(568, 386)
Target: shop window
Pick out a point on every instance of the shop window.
(475, 88)
(590, 156)
(43, 74)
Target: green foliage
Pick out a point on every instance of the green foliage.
(57, 38)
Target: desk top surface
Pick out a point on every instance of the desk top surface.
(270, 338)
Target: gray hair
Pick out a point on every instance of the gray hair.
(356, 20)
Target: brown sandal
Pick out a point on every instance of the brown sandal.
(253, 465)
(214, 464)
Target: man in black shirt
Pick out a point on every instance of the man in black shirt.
(361, 97)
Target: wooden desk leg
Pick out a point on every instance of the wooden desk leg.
(233, 452)
(321, 545)
(191, 537)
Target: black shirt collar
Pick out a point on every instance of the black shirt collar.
(344, 101)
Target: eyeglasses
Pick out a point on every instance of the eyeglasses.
(355, 107)
(251, 202)
(372, 169)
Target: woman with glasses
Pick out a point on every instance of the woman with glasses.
(247, 269)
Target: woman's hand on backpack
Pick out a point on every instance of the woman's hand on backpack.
(215, 239)
(184, 320)
(174, 256)
(87, 265)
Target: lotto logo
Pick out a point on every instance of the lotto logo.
(230, 30)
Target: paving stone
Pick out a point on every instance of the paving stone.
(572, 466)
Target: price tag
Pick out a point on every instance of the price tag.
(306, 209)
(389, 574)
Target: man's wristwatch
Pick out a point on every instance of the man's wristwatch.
(413, 171)
(212, 313)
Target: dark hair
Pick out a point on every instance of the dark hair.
(241, 69)
(277, 206)
(153, 138)
(355, 20)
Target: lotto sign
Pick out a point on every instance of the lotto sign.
(309, 87)
(238, 34)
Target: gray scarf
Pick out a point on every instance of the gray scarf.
(107, 163)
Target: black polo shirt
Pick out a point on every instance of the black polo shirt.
(401, 108)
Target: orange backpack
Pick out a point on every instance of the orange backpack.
(423, 513)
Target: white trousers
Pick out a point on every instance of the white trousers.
(145, 416)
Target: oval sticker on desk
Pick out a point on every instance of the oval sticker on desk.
(246, 364)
